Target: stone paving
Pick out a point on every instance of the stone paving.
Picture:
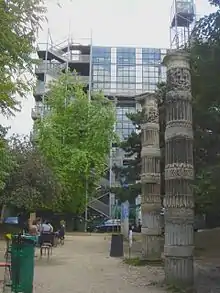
(83, 265)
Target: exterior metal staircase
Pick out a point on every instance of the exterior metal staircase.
(99, 206)
(58, 54)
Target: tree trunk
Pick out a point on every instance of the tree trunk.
(150, 179)
(179, 172)
(2, 213)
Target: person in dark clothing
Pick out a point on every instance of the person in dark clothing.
(60, 234)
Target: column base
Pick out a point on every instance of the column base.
(179, 272)
(151, 247)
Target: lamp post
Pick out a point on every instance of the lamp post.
(89, 98)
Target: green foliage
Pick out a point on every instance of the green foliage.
(30, 183)
(206, 116)
(207, 28)
(215, 2)
(19, 23)
(129, 193)
(75, 137)
(7, 159)
(131, 172)
(205, 52)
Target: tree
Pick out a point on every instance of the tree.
(207, 28)
(75, 137)
(7, 159)
(206, 114)
(129, 175)
(205, 51)
(30, 184)
(19, 24)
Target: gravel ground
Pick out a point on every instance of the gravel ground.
(207, 277)
(207, 271)
(83, 265)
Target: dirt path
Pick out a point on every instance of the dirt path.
(83, 265)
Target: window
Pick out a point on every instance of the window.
(132, 86)
(153, 79)
(152, 87)
(151, 56)
(145, 87)
(100, 78)
(126, 74)
(126, 56)
(107, 85)
(145, 79)
(101, 55)
(119, 110)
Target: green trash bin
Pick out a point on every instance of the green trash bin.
(22, 264)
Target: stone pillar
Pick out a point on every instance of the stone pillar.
(179, 172)
(150, 179)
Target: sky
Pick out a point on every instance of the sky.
(139, 23)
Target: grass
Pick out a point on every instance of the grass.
(138, 262)
(176, 289)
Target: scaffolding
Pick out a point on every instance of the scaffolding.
(55, 57)
(182, 21)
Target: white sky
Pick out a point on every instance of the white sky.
(139, 23)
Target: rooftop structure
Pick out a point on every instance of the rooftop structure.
(181, 22)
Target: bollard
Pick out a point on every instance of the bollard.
(117, 249)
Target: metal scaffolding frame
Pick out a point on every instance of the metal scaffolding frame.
(182, 22)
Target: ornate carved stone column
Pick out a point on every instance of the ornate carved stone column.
(179, 172)
(150, 179)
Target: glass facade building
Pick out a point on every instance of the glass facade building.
(126, 71)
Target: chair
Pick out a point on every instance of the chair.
(6, 265)
(8, 246)
(7, 275)
(46, 241)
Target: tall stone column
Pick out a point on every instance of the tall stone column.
(179, 172)
(150, 179)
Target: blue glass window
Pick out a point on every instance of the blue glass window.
(101, 55)
(151, 56)
(124, 126)
(126, 56)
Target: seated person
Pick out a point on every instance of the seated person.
(33, 228)
(46, 227)
(47, 235)
(61, 231)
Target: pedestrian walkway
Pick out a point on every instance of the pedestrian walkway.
(83, 265)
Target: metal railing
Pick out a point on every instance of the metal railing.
(53, 69)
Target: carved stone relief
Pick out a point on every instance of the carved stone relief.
(179, 79)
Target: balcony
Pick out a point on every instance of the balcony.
(52, 69)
